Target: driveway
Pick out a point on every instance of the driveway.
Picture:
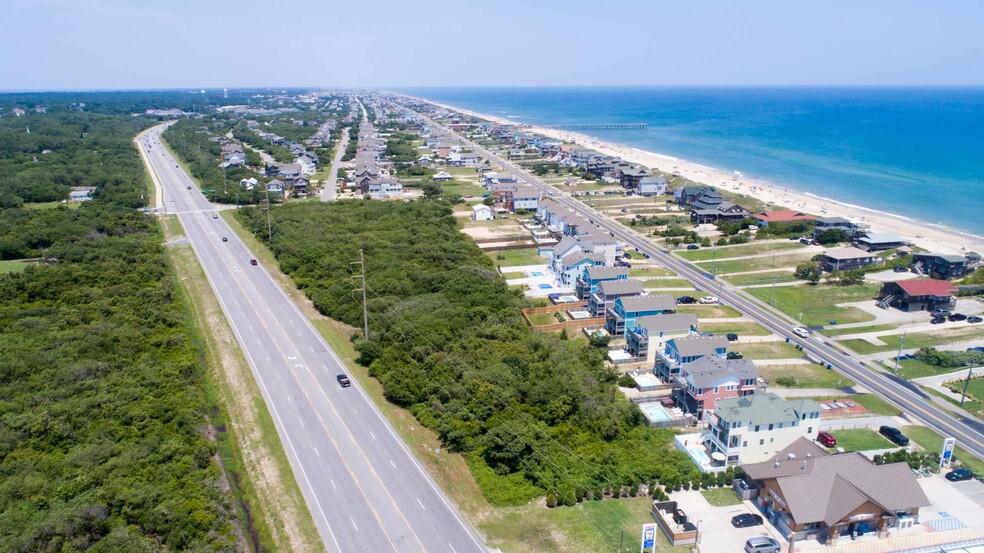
(717, 535)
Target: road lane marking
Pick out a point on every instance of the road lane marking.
(333, 484)
(353, 524)
(316, 452)
(301, 421)
(371, 434)
(354, 410)
(392, 463)
(421, 503)
(452, 548)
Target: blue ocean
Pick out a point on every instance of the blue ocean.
(916, 152)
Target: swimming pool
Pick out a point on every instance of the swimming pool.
(654, 412)
(545, 286)
(536, 274)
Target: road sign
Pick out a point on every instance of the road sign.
(648, 537)
(947, 453)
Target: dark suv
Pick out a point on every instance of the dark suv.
(894, 435)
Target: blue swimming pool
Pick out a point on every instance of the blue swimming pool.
(536, 274)
(545, 287)
(654, 412)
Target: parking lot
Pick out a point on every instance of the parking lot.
(717, 535)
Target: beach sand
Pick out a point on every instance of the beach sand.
(935, 238)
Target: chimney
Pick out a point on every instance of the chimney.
(791, 455)
(803, 466)
(775, 466)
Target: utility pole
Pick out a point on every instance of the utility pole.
(901, 343)
(772, 298)
(963, 396)
(714, 259)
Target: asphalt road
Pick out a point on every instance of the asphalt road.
(914, 402)
(331, 184)
(363, 487)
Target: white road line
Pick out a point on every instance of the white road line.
(392, 463)
(298, 365)
(333, 484)
(354, 410)
(353, 524)
(301, 421)
(312, 350)
(316, 452)
(373, 435)
(421, 504)
(452, 548)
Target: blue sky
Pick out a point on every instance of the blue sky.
(85, 44)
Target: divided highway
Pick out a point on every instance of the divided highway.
(914, 402)
(363, 487)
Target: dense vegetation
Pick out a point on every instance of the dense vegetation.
(532, 413)
(102, 415)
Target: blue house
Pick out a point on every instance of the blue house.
(624, 312)
(610, 290)
(588, 281)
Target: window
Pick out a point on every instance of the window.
(756, 428)
(780, 425)
(771, 440)
(715, 389)
(762, 441)
(744, 444)
(804, 416)
(809, 430)
(770, 426)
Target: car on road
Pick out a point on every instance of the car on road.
(706, 300)
(343, 380)
(826, 439)
(175, 164)
(188, 187)
(974, 319)
(252, 262)
(215, 215)
(732, 337)
(693, 246)
(745, 520)
(686, 299)
(942, 313)
(801, 332)
(959, 475)
(894, 435)
(224, 239)
(957, 317)
(762, 545)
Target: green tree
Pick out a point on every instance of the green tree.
(809, 272)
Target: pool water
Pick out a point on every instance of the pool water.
(654, 412)
(545, 286)
(536, 274)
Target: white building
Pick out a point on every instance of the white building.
(652, 186)
(81, 193)
(384, 189)
(753, 428)
(526, 197)
(482, 212)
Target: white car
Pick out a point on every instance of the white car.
(708, 299)
(801, 332)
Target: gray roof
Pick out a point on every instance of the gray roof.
(565, 244)
(711, 370)
(834, 220)
(849, 252)
(620, 287)
(667, 322)
(575, 257)
(600, 272)
(699, 345)
(819, 487)
(952, 258)
(763, 409)
(661, 302)
(881, 237)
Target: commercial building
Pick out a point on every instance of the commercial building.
(918, 295)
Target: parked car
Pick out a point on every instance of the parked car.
(894, 435)
(686, 299)
(959, 475)
(252, 262)
(762, 545)
(957, 317)
(976, 348)
(343, 380)
(693, 246)
(974, 319)
(734, 355)
(708, 300)
(794, 238)
(826, 439)
(624, 210)
(627, 255)
(745, 520)
(224, 239)
(937, 320)
(801, 332)
(942, 313)
(901, 269)
(732, 337)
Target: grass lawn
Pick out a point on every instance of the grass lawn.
(874, 404)
(840, 331)
(755, 263)
(914, 368)
(709, 311)
(768, 350)
(741, 328)
(725, 252)
(807, 376)
(860, 439)
(817, 304)
(975, 394)
(13, 266)
(540, 319)
(52, 205)
(667, 283)
(721, 497)
(917, 339)
(929, 440)
(516, 258)
(649, 270)
(514, 274)
(761, 278)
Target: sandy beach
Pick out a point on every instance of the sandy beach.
(934, 238)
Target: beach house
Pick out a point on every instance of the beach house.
(649, 334)
(482, 212)
(679, 352)
(878, 241)
(652, 185)
(591, 277)
(701, 383)
(834, 223)
(608, 291)
(626, 310)
(808, 493)
(924, 294)
(765, 218)
(753, 428)
(847, 258)
(940, 265)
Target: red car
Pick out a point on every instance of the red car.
(252, 262)
(826, 439)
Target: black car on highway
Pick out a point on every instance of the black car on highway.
(745, 520)
(343, 380)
